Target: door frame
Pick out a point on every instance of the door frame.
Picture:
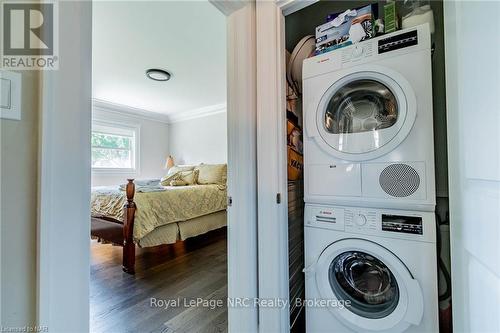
(63, 257)
(272, 160)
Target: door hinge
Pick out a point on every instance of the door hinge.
(229, 201)
(278, 198)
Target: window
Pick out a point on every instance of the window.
(114, 147)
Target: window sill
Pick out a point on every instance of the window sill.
(105, 171)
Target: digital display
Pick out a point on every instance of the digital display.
(404, 224)
(398, 42)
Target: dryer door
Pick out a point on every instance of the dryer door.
(372, 289)
(366, 114)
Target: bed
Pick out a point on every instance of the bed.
(131, 218)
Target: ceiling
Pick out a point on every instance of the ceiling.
(186, 38)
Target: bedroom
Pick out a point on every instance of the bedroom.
(159, 117)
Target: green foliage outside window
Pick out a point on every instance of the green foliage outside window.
(111, 151)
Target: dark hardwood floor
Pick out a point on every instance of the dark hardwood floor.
(196, 268)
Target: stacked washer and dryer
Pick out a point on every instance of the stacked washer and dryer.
(370, 232)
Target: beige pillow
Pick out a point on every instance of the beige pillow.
(212, 174)
(178, 182)
(178, 168)
(165, 181)
(189, 177)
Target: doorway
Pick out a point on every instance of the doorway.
(155, 83)
(67, 119)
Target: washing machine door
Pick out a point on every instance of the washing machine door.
(370, 288)
(366, 114)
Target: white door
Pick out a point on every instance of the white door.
(473, 111)
(381, 291)
(363, 114)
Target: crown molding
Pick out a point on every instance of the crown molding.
(197, 113)
(227, 7)
(124, 110)
(129, 111)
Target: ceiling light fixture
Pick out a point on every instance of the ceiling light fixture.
(158, 74)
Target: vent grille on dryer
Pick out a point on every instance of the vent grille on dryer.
(399, 180)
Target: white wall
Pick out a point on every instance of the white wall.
(193, 141)
(18, 208)
(153, 147)
(199, 140)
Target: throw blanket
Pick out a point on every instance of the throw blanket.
(145, 185)
(155, 188)
(154, 209)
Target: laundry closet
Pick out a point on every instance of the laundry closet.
(331, 193)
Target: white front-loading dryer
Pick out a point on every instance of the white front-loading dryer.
(369, 124)
(370, 270)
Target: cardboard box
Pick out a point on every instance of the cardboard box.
(342, 29)
(295, 164)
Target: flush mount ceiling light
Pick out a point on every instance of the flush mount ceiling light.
(158, 74)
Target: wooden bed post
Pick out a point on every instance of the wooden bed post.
(128, 230)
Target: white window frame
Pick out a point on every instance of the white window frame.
(121, 128)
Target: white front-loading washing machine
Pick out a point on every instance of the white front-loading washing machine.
(369, 124)
(370, 270)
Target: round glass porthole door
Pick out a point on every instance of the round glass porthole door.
(377, 290)
(366, 282)
(361, 105)
(366, 114)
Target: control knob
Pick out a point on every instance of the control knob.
(357, 51)
(360, 220)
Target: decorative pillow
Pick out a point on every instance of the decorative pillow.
(178, 182)
(190, 177)
(178, 168)
(165, 181)
(212, 174)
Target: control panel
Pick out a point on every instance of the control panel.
(357, 52)
(369, 221)
(397, 42)
(358, 220)
(404, 224)
(329, 217)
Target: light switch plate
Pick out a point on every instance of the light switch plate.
(5, 90)
(10, 95)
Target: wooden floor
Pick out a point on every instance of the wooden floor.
(120, 302)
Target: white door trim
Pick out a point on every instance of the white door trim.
(271, 166)
(64, 173)
(291, 6)
(272, 160)
(242, 167)
(64, 195)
